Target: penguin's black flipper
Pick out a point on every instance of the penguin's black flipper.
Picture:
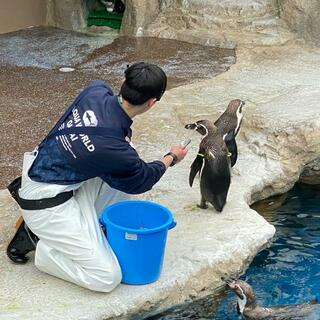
(195, 168)
(232, 147)
(231, 144)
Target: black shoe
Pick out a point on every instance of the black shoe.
(22, 243)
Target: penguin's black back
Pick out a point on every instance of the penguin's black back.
(215, 180)
(216, 174)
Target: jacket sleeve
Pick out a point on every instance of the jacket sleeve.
(125, 171)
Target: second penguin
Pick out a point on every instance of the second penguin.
(213, 164)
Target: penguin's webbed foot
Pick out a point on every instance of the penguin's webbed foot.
(202, 204)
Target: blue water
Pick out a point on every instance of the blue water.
(288, 272)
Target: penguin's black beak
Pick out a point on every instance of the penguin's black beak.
(191, 126)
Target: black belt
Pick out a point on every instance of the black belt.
(40, 204)
(45, 202)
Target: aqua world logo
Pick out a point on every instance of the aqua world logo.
(90, 119)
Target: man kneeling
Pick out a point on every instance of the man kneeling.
(85, 163)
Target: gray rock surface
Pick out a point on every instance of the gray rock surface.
(303, 17)
(280, 134)
(67, 14)
(211, 22)
(138, 13)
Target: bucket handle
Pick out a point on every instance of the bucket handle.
(172, 225)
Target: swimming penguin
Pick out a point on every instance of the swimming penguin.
(248, 307)
(213, 164)
(229, 124)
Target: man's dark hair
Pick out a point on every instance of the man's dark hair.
(142, 82)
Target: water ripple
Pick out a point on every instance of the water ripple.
(288, 271)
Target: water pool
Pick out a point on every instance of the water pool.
(288, 272)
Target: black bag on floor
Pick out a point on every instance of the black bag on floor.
(14, 187)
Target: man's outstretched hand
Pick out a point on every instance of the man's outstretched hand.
(176, 154)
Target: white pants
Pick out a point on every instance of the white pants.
(72, 245)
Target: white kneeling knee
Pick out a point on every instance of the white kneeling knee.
(106, 282)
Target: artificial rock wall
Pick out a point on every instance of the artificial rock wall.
(226, 23)
(209, 22)
(67, 14)
(302, 17)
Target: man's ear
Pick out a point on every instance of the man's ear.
(151, 102)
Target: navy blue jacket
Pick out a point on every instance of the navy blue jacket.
(72, 158)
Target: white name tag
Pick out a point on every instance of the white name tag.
(131, 236)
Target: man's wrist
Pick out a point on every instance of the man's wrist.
(174, 158)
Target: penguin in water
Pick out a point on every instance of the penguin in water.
(229, 124)
(213, 164)
(248, 308)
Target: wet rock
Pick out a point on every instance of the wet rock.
(46, 47)
(46, 93)
(267, 206)
(311, 173)
(183, 62)
(32, 94)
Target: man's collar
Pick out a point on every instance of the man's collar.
(126, 120)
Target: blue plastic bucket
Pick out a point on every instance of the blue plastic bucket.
(137, 233)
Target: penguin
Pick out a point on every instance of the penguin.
(229, 125)
(248, 308)
(213, 164)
